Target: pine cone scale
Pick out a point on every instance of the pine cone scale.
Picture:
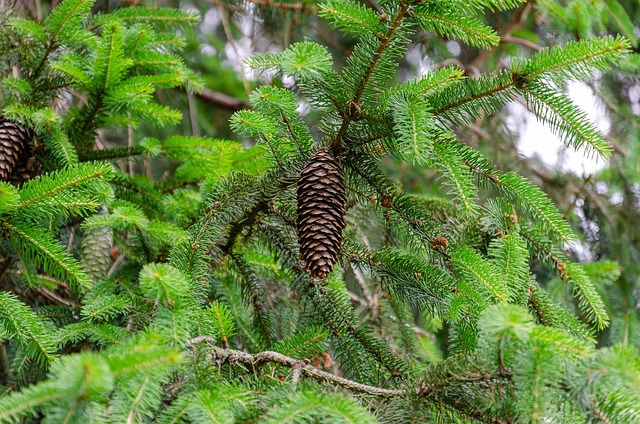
(321, 211)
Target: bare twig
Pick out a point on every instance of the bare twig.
(193, 115)
(53, 296)
(301, 7)
(130, 163)
(227, 31)
(223, 100)
(4, 265)
(362, 283)
(521, 41)
(116, 264)
(304, 370)
(71, 239)
(301, 369)
(517, 20)
(375, 6)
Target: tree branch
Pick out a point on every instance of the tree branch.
(299, 7)
(302, 369)
(517, 20)
(223, 100)
(305, 370)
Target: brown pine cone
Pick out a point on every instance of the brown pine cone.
(321, 211)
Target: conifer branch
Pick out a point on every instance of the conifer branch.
(396, 366)
(440, 257)
(475, 96)
(382, 46)
(560, 265)
(50, 47)
(115, 153)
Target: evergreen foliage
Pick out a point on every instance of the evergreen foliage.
(152, 278)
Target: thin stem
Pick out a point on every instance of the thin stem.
(384, 43)
(53, 296)
(92, 115)
(559, 263)
(227, 31)
(353, 330)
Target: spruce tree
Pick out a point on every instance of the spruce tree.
(286, 275)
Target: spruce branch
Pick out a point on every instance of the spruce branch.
(549, 253)
(447, 21)
(25, 402)
(109, 154)
(573, 61)
(332, 307)
(38, 244)
(473, 97)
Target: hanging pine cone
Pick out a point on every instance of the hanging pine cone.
(321, 210)
(14, 146)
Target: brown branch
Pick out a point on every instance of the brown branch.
(5, 365)
(227, 31)
(305, 370)
(598, 413)
(561, 266)
(247, 220)
(302, 369)
(518, 18)
(56, 298)
(299, 7)
(522, 41)
(4, 265)
(223, 100)
(533, 301)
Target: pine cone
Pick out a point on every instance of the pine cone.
(14, 146)
(96, 251)
(321, 210)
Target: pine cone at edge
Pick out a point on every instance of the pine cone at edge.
(14, 147)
